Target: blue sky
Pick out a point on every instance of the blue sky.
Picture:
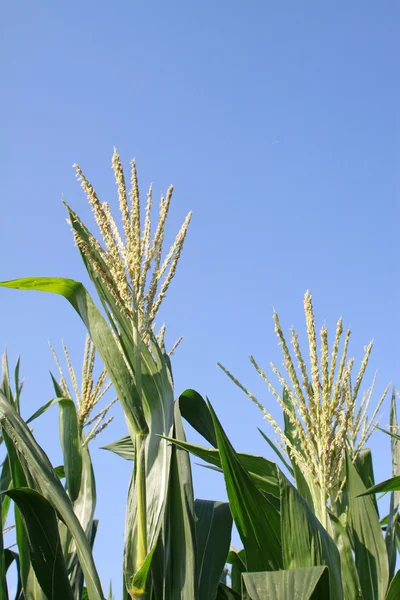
(277, 124)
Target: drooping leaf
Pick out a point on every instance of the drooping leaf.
(213, 534)
(101, 335)
(263, 472)
(257, 520)
(40, 522)
(305, 542)
(369, 545)
(195, 411)
(296, 584)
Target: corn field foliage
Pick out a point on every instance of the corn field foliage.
(308, 521)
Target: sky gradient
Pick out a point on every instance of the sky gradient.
(278, 125)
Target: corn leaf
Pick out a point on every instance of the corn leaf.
(257, 520)
(263, 472)
(350, 580)
(49, 485)
(123, 447)
(195, 411)
(3, 580)
(365, 530)
(277, 452)
(393, 592)
(237, 560)
(213, 534)
(71, 446)
(296, 584)
(180, 533)
(365, 469)
(305, 542)
(101, 335)
(11, 557)
(40, 522)
(226, 593)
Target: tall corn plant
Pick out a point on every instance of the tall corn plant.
(131, 278)
(319, 536)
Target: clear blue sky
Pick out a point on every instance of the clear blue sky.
(276, 121)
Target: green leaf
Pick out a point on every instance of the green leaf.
(123, 447)
(60, 472)
(257, 520)
(305, 542)
(350, 580)
(11, 557)
(238, 563)
(101, 335)
(40, 522)
(365, 469)
(263, 472)
(71, 446)
(3, 580)
(226, 593)
(277, 451)
(369, 545)
(180, 534)
(213, 534)
(393, 592)
(296, 584)
(42, 472)
(390, 485)
(195, 411)
(5, 482)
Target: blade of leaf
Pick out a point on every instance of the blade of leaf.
(257, 520)
(351, 582)
(369, 545)
(277, 451)
(123, 447)
(195, 411)
(393, 592)
(226, 593)
(263, 472)
(40, 523)
(213, 533)
(305, 542)
(101, 335)
(51, 488)
(296, 584)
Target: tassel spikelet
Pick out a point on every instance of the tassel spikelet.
(124, 261)
(322, 408)
(90, 392)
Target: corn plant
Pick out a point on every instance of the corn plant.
(314, 532)
(166, 553)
